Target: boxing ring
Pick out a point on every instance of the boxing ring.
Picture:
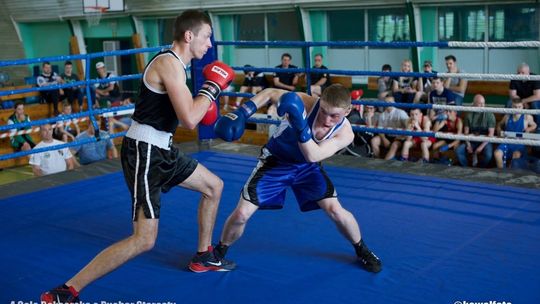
(441, 240)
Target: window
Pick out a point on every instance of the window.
(284, 26)
(388, 25)
(513, 22)
(250, 27)
(340, 27)
(281, 26)
(462, 23)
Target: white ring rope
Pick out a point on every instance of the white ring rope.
(442, 135)
(489, 76)
(484, 109)
(501, 44)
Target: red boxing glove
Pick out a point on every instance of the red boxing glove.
(357, 94)
(211, 115)
(218, 76)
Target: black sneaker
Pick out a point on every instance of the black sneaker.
(209, 262)
(60, 295)
(367, 258)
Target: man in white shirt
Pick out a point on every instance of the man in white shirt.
(391, 118)
(53, 161)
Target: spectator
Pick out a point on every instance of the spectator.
(254, 82)
(72, 93)
(53, 161)
(526, 90)
(385, 84)
(420, 123)
(427, 81)
(452, 124)
(106, 92)
(95, 151)
(22, 142)
(66, 130)
(456, 85)
(441, 96)
(319, 81)
(391, 118)
(477, 124)
(518, 123)
(45, 79)
(121, 121)
(286, 80)
(406, 89)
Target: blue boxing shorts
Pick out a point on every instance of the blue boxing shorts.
(267, 185)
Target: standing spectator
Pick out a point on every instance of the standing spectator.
(427, 81)
(441, 96)
(319, 81)
(95, 151)
(458, 86)
(286, 80)
(391, 118)
(385, 84)
(45, 79)
(53, 161)
(526, 90)
(66, 130)
(106, 92)
(72, 93)
(406, 89)
(20, 142)
(477, 124)
(518, 123)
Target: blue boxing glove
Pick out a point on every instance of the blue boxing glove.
(444, 148)
(230, 127)
(292, 104)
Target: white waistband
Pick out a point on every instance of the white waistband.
(149, 135)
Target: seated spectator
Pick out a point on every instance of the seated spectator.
(456, 85)
(441, 96)
(106, 92)
(427, 81)
(72, 93)
(477, 124)
(66, 130)
(286, 80)
(45, 79)
(22, 142)
(519, 123)
(385, 84)
(452, 124)
(526, 90)
(95, 151)
(391, 118)
(319, 81)
(417, 122)
(49, 162)
(407, 89)
(254, 82)
(121, 121)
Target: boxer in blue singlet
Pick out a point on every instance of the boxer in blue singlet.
(315, 130)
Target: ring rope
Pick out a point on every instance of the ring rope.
(62, 118)
(428, 106)
(61, 146)
(442, 135)
(34, 130)
(394, 44)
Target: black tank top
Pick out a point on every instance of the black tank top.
(154, 108)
